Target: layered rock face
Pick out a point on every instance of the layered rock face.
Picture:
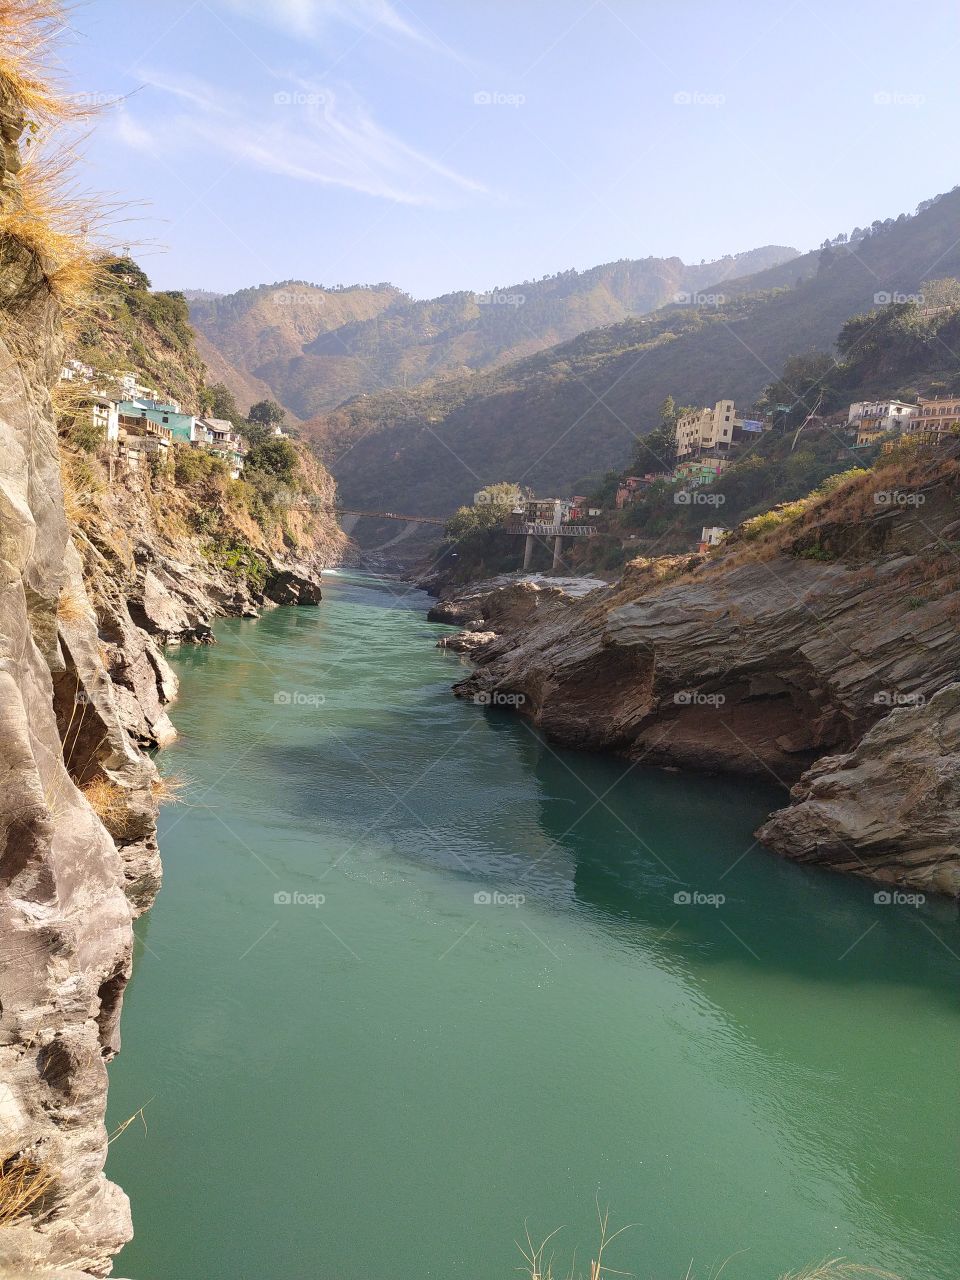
(65, 913)
(765, 667)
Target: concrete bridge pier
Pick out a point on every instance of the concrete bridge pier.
(528, 552)
(557, 549)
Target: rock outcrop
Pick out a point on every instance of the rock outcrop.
(775, 661)
(65, 913)
(890, 807)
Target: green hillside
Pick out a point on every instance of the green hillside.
(575, 410)
(316, 348)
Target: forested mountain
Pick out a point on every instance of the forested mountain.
(316, 348)
(552, 419)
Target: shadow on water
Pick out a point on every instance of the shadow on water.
(658, 835)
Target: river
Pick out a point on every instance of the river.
(416, 978)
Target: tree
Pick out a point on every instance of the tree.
(807, 382)
(657, 450)
(491, 507)
(219, 402)
(267, 413)
(276, 457)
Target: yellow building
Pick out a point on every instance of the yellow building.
(937, 414)
(716, 428)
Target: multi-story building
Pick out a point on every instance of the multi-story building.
(937, 415)
(875, 418)
(106, 417)
(544, 511)
(183, 426)
(714, 429)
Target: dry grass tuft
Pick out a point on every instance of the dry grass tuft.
(80, 490)
(168, 789)
(73, 607)
(109, 802)
(28, 28)
(49, 217)
(540, 1267)
(23, 1183)
(57, 224)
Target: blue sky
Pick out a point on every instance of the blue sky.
(465, 144)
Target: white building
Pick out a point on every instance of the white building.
(106, 417)
(888, 414)
(76, 371)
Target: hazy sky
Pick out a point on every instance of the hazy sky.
(448, 144)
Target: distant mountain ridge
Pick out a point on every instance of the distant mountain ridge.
(316, 347)
(551, 419)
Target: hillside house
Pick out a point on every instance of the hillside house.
(76, 371)
(699, 471)
(875, 418)
(182, 426)
(580, 508)
(106, 417)
(220, 437)
(631, 488)
(711, 536)
(547, 511)
(132, 389)
(140, 439)
(936, 415)
(716, 429)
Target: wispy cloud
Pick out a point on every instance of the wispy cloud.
(303, 132)
(310, 18)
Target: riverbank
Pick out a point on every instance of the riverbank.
(819, 652)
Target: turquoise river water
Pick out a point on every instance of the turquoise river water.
(351, 1066)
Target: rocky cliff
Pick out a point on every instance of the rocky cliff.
(65, 913)
(89, 594)
(823, 654)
